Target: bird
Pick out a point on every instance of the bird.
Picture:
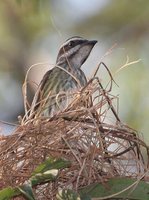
(66, 77)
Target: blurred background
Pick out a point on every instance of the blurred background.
(32, 31)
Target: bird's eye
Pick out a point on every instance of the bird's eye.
(71, 43)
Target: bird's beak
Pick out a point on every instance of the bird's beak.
(92, 42)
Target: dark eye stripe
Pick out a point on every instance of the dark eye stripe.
(75, 43)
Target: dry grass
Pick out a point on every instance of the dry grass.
(98, 149)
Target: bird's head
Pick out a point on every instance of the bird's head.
(75, 51)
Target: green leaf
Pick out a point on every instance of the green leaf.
(48, 170)
(27, 191)
(8, 193)
(47, 176)
(51, 163)
(130, 187)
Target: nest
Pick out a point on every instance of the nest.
(98, 148)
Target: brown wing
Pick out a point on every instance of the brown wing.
(39, 94)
